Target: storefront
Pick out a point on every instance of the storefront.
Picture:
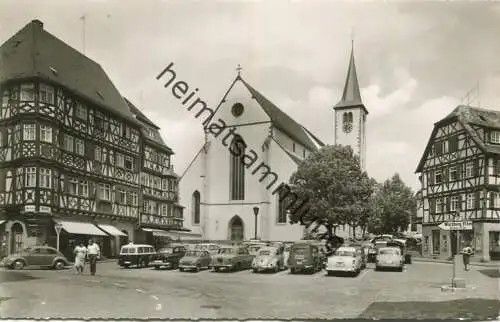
(483, 237)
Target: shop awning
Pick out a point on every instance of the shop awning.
(157, 232)
(2, 221)
(112, 230)
(80, 228)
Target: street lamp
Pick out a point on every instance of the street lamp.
(256, 213)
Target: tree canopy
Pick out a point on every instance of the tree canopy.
(392, 206)
(336, 189)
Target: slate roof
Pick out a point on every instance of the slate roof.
(33, 52)
(351, 96)
(468, 116)
(148, 124)
(284, 122)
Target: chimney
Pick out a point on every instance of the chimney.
(37, 23)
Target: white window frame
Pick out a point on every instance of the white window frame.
(81, 111)
(30, 177)
(471, 201)
(46, 94)
(469, 169)
(73, 186)
(45, 133)
(440, 174)
(83, 188)
(122, 196)
(495, 137)
(68, 143)
(29, 132)
(452, 170)
(98, 153)
(135, 198)
(27, 92)
(120, 160)
(45, 178)
(129, 159)
(439, 205)
(455, 203)
(105, 191)
(79, 146)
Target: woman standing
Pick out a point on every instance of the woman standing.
(80, 253)
(466, 254)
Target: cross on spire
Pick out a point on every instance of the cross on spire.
(239, 68)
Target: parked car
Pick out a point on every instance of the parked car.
(211, 248)
(345, 260)
(253, 249)
(402, 246)
(195, 260)
(305, 256)
(168, 257)
(389, 257)
(269, 258)
(41, 256)
(232, 258)
(139, 255)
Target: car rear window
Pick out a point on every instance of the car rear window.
(265, 252)
(389, 252)
(344, 253)
(300, 250)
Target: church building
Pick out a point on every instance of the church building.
(224, 198)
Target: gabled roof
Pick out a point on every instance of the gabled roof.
(467, 116)
(351, 96)
(33, 52)
(148, 125)
(284, 122)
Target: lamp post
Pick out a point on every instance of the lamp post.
(455, 257)
(256, 213)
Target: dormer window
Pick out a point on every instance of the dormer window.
(495, 137)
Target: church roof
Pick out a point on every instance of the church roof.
(351, 96)
(468, 117)
(284, 122)
(33, 52)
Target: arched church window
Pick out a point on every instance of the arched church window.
(196, 207)
(344, 117)
(237, 169)
(349, 117)
(282, 209)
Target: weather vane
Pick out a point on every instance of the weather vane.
(239, 68)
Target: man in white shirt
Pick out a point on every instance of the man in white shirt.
(93, 252)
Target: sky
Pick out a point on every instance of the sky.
(416, 61)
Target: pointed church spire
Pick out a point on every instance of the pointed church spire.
(351, 96)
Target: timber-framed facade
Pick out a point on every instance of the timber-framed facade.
(460, 177)
(71, 150)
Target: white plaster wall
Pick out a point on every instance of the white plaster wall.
(288, 143)
(190, 182)
(284, 167)
(354, 136)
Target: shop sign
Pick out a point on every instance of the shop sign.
(456, 225)
(45, 209)
(29, 208)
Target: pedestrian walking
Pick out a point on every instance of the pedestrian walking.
(466, 254)
(93, 252)
(80, 253)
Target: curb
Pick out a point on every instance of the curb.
(443, 261)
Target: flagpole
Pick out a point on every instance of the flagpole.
(82, 18)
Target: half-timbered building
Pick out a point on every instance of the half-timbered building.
(460, 176)
(70, 148)
(160, 214)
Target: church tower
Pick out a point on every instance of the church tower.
(350, 115)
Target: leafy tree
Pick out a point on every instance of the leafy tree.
(391, 207)
(336, 190)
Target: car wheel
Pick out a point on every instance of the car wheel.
(59, 265)
(255, 270)
(157, 267)
(198, 268)
(19, 264)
